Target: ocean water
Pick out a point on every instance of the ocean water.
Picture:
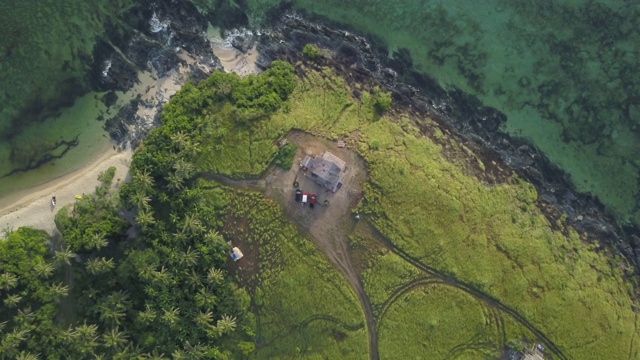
(563, 71)
(45, 52)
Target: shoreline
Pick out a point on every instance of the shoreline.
(32, 207)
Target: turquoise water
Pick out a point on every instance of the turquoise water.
(564, 72)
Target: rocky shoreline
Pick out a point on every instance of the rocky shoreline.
(359, 59)
(476, 126)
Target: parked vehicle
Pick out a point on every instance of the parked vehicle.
(312, 202)
(304, 197)
(298, 194)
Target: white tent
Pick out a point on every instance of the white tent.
(237, 254)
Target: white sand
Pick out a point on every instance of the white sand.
(35, 209)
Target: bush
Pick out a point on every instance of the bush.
(106, 177)
(310, 51)
(284, 157)
(381, 100)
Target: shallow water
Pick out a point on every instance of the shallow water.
(564, 73)
(45, 52)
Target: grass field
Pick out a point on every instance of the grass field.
(492, 238)
(303, 306)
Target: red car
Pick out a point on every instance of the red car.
(312, 202)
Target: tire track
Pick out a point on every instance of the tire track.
(321, 317)
(487, 299)
(401, 291)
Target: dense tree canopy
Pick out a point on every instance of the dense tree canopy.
(140, 273)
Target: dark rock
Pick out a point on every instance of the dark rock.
(359, 61)
(118, 125)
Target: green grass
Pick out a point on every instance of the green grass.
(302, 304)
(491, 237)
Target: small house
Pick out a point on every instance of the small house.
(328, 170)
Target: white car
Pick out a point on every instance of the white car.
(305, 195)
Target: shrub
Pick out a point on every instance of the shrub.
(106, 176)
(310, 51)
(381, 100)
(284, 157)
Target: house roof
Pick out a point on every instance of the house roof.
(327, 156)
(328, 168)
(306, 162)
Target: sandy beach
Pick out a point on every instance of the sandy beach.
(32, 207)
(35, 209)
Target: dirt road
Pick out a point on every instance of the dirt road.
(327, 225)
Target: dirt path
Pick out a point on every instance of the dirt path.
(328, 226)
(334, 244)
(489, 300)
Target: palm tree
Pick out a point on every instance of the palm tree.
(171, 316)
(154, 355)
(58, 290)
(180, 139)
(190, 257)
(180, 236)
(144, 179)
(26, 356)
(162, 276)
(112, 309)
(145, 218)
(195, 351)
(205, 299)
(65, 256)
(180, 355)
(175, 182)
(213, 236)
(146, 272)
(44, 269)
(215, 276)
(194, 280)
(183, 169)
(11, 342)
(192, 224)
(70, 335)
(98, 241)
(12, 300)
(141, 200)
(192, 149)
(99, 265)
(204, 319)
(111, 315)
(226, 324)
(148, 315)
(8, 281)
(114, 339)
(85, 337)
(25, 316)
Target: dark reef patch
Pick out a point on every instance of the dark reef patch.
(34, 158)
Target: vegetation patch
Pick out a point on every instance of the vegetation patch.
(460, 269)
(310, 51)
(289, 278)
(285, 156)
